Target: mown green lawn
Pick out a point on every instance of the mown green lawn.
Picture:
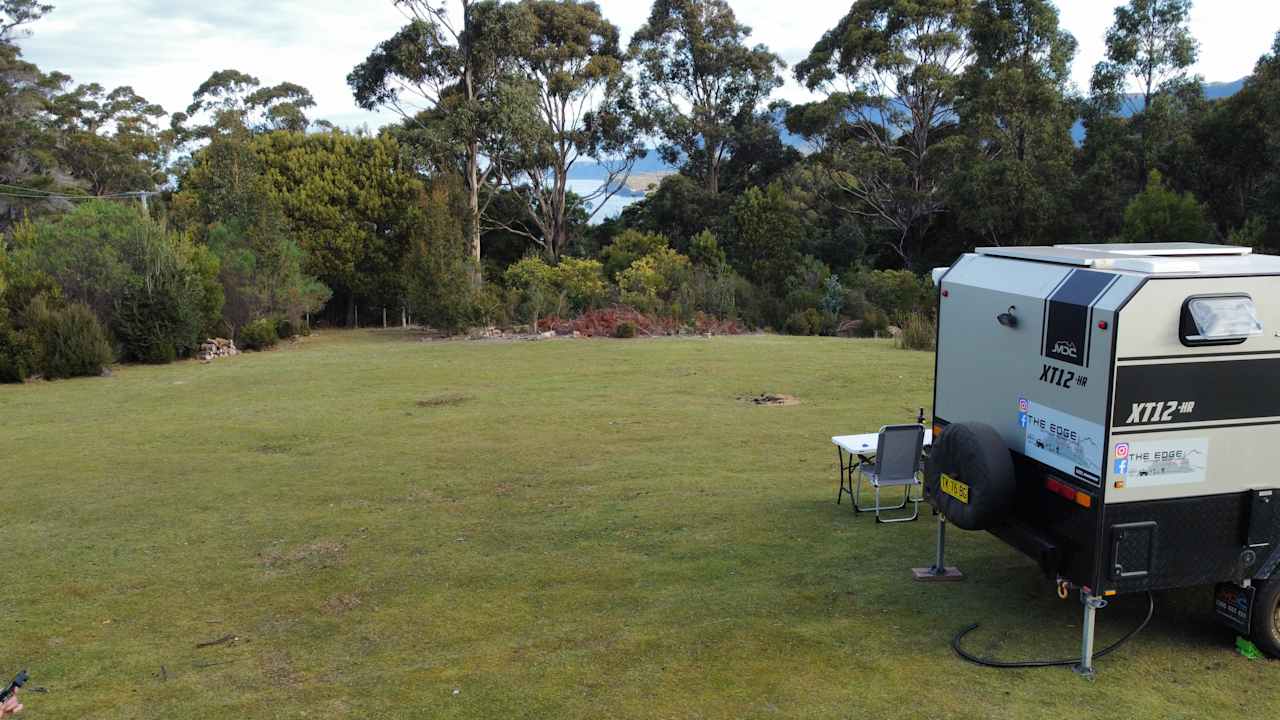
(560, 529)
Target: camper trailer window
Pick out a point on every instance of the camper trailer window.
(1219, 320)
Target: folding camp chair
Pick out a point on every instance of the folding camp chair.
(896, 464)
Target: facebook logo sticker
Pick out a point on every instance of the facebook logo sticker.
(1122, 466)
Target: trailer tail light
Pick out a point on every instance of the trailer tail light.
(1066, 492)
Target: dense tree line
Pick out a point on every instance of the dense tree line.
(936, 126)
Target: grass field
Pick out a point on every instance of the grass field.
(561, 529)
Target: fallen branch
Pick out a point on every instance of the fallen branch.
(220, 641)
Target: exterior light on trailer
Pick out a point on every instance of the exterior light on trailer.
(1102, 325)
(1066, 492)
(946, 293)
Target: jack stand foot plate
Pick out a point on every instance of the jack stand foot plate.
(949, 574)
(1086, 673)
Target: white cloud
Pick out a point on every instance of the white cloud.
(166, 49)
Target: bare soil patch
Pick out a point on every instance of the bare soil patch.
(445, 400)
(771, 399)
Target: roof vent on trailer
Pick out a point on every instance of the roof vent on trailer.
(1155, 258)
(1179, 249)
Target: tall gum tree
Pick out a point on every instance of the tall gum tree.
(583, 96)
(890, 70)
(698, 80)
(1016, 113)
(450, 78)
(1150, 43)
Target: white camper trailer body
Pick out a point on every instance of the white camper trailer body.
(1144, 446)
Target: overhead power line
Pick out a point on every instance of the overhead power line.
(17, 191)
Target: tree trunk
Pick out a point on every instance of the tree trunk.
(713, 170)
(351, 310)
(473, 205)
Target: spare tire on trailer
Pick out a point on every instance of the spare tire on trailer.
(978, 474)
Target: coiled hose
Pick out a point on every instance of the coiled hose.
(987, 662)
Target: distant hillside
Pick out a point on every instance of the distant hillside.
(651, 169)
(1213, 91)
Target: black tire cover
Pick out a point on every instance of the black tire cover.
(972, 454)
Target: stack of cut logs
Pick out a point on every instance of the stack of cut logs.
(215, 348)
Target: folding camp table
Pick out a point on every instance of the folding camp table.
(861, 449)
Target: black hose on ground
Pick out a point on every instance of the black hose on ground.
(987, 662)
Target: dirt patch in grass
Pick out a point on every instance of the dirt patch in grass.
(342, 603)
(445, 400)
(771, 399)
(278, 669)
(325, 553)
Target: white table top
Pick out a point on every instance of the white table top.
(865, 444)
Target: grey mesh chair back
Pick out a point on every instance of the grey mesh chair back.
(898, 454)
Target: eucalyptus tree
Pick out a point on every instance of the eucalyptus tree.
(16, 13)
(699, 82)
(109, 140)
(451, 81)
(890, 70)
(1150, 43)
(231, 99)
(28, 159)
(1016, 112)
(575, 69)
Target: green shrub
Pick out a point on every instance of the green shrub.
(628, 247)
(18, 354)
(705, 251)
(73, 344)
(919, 332)
(581, 282)
(713, 290)
(874, 323)
(652, 280)
(532, 284)
(491, 307)
(834, 296)
(625, 330)
(304, 328)
(154, 289)
(899, 293)
(158, 322)
(285, 329)
(805, 322)
(259, 335)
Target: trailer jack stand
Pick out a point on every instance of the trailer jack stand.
(939, 572)
(1092, 604)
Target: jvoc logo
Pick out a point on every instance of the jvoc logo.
(1159, 412)
(1066, 349)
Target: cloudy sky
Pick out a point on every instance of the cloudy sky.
(166, 48)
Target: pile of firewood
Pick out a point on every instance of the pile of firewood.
(215, 348)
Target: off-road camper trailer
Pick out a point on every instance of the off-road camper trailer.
(1136, 392)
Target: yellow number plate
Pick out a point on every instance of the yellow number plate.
(955, 488)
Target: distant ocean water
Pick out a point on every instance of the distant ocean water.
(612, 206)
